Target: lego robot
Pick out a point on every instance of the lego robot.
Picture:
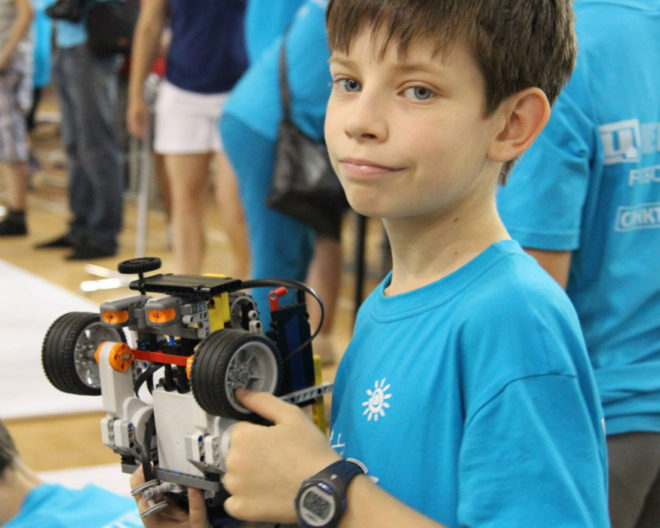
(167, 368)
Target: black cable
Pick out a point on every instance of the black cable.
(257, 283)
(146, 376)
(149, 433)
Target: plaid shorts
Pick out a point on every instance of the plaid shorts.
(15, 96)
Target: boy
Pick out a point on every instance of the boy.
(466, 390)
(26, 501)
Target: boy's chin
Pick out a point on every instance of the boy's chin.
(364, 208)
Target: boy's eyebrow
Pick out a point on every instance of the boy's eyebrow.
(428, 67)
(343, 61)
(403, 67)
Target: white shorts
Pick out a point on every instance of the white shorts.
(187, 122)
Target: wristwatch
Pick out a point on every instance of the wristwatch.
(321, 500)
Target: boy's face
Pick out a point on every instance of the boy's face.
(407, 135)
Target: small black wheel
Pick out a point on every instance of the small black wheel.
(67, 353)
(240, 306)
(139, 265)
(230, 359)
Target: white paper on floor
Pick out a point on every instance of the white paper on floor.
(108, 476)
(28, 306)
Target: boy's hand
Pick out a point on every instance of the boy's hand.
(173, 516)
(267, 464)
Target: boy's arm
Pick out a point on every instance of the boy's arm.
(556, 263)
(20, 27)
(146, 43)
(371, 506)
(267, 464)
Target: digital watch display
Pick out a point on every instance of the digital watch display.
(321, 500)
(317, 505)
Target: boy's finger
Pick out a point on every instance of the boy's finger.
(265, 405)
(197, 509)
(137, 478)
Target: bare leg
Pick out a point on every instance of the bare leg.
(163, 185)
(17, 185)
(188, 178)
(324, 276)
(233, 217)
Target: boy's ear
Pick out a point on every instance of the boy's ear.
(522, 117)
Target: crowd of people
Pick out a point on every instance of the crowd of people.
(506, 372)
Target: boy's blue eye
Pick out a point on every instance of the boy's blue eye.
(349, 85)
(420, 93)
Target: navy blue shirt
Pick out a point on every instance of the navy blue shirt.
(207, 53)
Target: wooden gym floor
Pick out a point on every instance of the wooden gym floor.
(67, 441)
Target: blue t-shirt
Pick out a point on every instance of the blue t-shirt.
(69, 34)
(256, 98)
(472, 399)
(42, 29)
(54, 506)
(207, 53)
(265, 20)
(591, 184)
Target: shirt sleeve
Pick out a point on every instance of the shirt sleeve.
(542, 201)
(521, 466)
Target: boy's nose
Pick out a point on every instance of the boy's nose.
(367, 120)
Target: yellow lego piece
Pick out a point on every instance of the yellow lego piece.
(318, 407)
(219, 314)
(218, 307)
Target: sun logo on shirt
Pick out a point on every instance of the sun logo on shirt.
(376, 404)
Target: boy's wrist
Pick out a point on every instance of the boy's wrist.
(321, 499)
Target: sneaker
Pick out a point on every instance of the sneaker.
(62, 241)
(86, 252)
(10, 227)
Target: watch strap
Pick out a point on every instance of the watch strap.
(341, 473)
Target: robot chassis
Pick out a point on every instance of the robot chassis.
(204, 333)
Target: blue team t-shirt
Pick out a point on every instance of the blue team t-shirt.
(54, 506)
(265, 21)
(42, 29)
(472, 399)
(256, 98)
(207, 52)
(591, 184)
(69, 34)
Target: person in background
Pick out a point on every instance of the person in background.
(585, 202)
(28, 502)
(281, 246)
(206, 56)
(86, 86)
(42, 29)
(15, 96)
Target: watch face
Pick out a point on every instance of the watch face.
(316, 506)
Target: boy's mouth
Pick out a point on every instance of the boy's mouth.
(361, 167)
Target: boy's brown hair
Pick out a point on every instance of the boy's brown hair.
(516, 44)
(8, 451)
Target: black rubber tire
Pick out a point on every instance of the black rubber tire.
(139, 265)
(63, 354)
(217, 356)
